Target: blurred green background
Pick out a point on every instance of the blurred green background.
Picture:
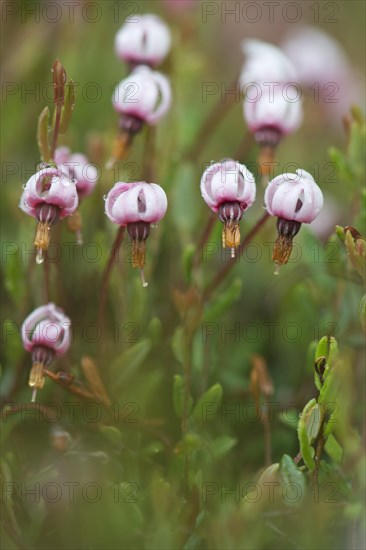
(129, 464)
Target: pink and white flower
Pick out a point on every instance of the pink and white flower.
(49, 187)
(294, 199)
(228, 188)
(45, 334)
(324, 68)
(77, 168)
(265, 63)
(143, 40)
(272, 106)
(49, 195)
(144, 96)
(136, 205)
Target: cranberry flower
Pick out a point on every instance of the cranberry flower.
(144, 96)
(49, 195)
(77, 167)
(274, 109)
(85, 175)
(294, 199)
(228, 188)
(265, 64)
(273, 115)
(137, 206)
(143, 40)
(46, 335)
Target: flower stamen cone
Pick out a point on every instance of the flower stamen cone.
(36, 379)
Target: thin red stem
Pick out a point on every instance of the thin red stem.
(231, 262)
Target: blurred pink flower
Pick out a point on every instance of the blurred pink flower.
(78, 168)
(46, 334)
(323, 67)
(265, 63)
(270, 117)
(144, 95)
(143, 40)
(272, 105)
(49, 327)
(228, 188)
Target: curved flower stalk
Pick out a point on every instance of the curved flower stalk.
(85, 175)
(143, 40)
(49, 196)
(137, 206)
(46, 335)
(276, 109)
(144, 97)
(228, 188)
(294, 199)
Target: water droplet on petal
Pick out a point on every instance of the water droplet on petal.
(277, 270)
(24, 186)
(104, 197)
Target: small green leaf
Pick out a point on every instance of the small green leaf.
(333, 449)
(178, 396)
(293, 481)
(111, 433)
(208, 404)
(306, 449)
(43, 135)
(68, 107)
(178, 344)
(222, 445)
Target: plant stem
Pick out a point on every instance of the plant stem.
(207, 129)
(107, 273)
(56, 129)
(203, 239)
(229, 264)
(320, 442)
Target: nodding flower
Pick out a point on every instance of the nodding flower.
(85, 175)
(49, 195)
(294, 199)
(143, 97)
(143, 40)
(77, 168)
(137, 206)
(228, 188)
(46, 335)
(274, 109)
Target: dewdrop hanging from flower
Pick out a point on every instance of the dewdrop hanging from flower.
(144, 97)
(137, 206)
(228, 188)
(85, 175)
(274, 109)
(143, 40)
(294, 199)
(49, 196)
(46, 335)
